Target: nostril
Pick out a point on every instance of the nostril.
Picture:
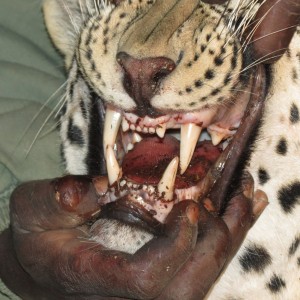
(142, 77)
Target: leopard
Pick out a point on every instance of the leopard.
(135, 64)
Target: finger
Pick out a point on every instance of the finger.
(51, 204)
(277, 23)
(242, 211)
(69, 262)
(195, 278)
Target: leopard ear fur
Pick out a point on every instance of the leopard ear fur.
(64, 20)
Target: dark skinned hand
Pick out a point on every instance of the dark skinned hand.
(46, 252)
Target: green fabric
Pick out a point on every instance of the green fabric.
(30, 72)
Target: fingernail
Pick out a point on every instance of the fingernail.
(192, 213)
(260, 202)
(247, 186)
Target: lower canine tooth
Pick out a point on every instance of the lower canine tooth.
(189, 137)
(166, 184)
(111, 127)
(113, 170)
(161, 130)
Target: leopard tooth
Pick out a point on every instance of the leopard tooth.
(189, 137)
(161, 130)
(136, 138)
(125, 125)
(113, 169)
(216, 137)
(167, 182)
(111, 127)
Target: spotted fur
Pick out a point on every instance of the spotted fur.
(211, 65)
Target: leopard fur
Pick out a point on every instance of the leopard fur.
(267, 265)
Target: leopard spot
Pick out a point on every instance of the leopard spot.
(289, 196)
(255, 258)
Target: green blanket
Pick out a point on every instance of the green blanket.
(31, 71)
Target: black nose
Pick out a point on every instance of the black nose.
(141, 79)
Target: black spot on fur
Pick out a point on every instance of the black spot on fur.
(209, 74)
(89, 54)
(198, 83)
(75, 135)
(255, 258)
(294, 114)
(293, 248)
(215, 92)
(218, 61)
(288, 196)
(263, 176)
(188, 90)
(276, 284)
(203, 47)
(282, 146)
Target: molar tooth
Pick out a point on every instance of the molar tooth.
(189, 137)
(138, 128)
(145, 130)
(111, 127)
(113, 169)
(166, 184)
(161, 130)
(125, 125)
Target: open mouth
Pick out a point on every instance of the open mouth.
(154, 163)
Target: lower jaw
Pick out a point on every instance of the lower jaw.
(144, 206)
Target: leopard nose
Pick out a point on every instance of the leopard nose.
(141, 79)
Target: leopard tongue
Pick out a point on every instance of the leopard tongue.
(146, 163)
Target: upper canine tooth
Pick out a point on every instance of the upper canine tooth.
(111, 128)
(125, 125)
(161, 130)
(167, 182)
(113, 169)
(189, 137)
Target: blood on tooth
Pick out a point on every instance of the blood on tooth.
(167, 182)
(111, 127)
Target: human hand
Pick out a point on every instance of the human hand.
(47, 252)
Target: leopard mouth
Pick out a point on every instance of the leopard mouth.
(155, 163)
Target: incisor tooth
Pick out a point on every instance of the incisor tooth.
(113, 170)
(166, 184)
(189, 137)
(136, 138)
(161, 130)
(111, 128)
